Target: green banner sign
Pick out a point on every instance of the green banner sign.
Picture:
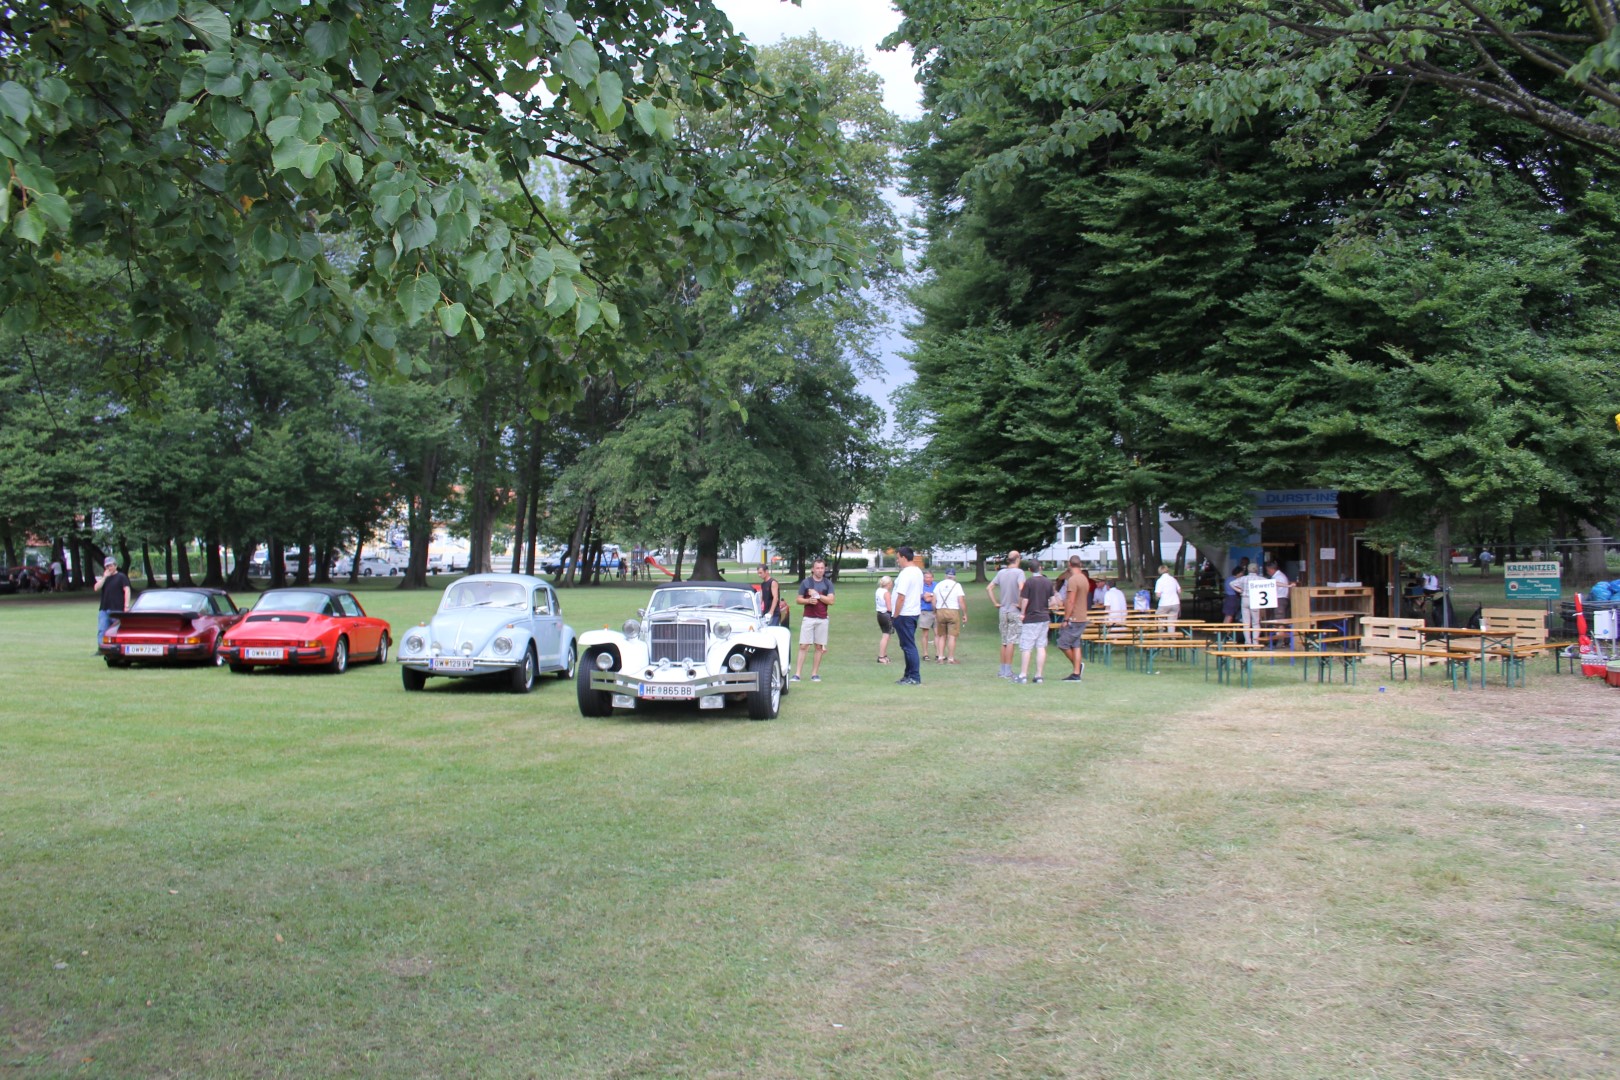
(1533, 580)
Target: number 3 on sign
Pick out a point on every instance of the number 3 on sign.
(1262, 594)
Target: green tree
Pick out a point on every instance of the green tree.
(343, 150)
(1093, 69)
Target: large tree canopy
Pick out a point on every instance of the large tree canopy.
(1096, 67)
(378, 161)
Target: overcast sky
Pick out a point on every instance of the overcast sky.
(862, 24)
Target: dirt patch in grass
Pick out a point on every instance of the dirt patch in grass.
(1408, 884)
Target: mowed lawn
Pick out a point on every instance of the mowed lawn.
(212, 875)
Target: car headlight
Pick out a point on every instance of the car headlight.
(722, 630)
(466, 648)
(503, 645)
(604, 661)
(736, 661)
(414, 643)
(631, 628)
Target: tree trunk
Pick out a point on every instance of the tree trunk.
(10, 543)
(519, 520)
(275, 562)
(680, 556)
(168, 562)
(182, 559)
(214, 575)
(1587, 563)
(1118, 525)
(530, 555)
(979, 576)
(576, 543)
(1181, 558)
(706, 567)
(238, 577)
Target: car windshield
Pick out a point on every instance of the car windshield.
(293, 600)
(684, 599)
(501, 594)
(163, 600)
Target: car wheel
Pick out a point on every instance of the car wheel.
(382, 649)
(114, 661)
(523, 674)
(213, 655)
(413, 679)
(242, 669)
(366, 572)
(340, 657)
(765, 700)
(591, 702)
(573, 663)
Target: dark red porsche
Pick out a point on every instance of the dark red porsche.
(169, 625)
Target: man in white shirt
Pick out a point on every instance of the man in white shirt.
(1168, 592)
(950, 615)
(1274, 572)
(1114, 600)
(906, 606)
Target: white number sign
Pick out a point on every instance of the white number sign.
(1262, 594)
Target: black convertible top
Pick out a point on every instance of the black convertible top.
(746, 585)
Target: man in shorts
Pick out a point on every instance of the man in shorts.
(950, 615)
(815, 596)
(1004, 590)
(1076, 610)
(1034, 613)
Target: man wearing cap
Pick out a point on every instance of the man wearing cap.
(113, 585)
(950, 615)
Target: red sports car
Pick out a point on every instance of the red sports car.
(303, 627)
(170, 624)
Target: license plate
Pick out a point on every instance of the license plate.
(143, 650)
(452, 665)
(264, 654)
(665, 690)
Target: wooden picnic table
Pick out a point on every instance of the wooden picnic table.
(1500, 643)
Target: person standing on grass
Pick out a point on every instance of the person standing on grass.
(1284, 606)
(1076, 611)
(770, 596)
(1035, 617)
(885, 621)
(1004, 591)
(1249, 616)
(925, 618)
(1168, 592)
(950, 615)
(815, 596)
(905, 607)
(113, 585)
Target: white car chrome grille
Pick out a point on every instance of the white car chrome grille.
(679, 642)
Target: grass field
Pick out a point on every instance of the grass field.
(211, 875)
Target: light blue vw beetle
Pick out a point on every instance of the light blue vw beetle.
(503, 625)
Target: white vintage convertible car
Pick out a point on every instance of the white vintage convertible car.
(702, 641)
(507, 625)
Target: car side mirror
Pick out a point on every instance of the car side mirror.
(641, 613)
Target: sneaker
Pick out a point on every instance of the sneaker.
(1071, 678)
(815, 678)
(794, 679)
(1020, 679)
(908, 682)
(1037, 679)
